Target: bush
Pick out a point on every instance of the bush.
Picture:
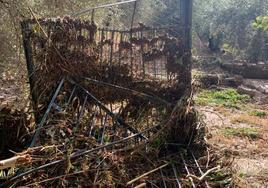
(227, 98)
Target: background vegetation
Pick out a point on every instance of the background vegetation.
(238, 26)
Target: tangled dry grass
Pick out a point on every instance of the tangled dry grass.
(93, 135)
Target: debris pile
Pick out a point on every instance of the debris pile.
(95, 150)
(103, 109)
(13, 131)
(70, 48)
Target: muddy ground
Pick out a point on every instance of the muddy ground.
(243, 137)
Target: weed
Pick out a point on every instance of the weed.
(242, 175)
(242, 132)
(228, 98)
(260, 114)
(157, 143)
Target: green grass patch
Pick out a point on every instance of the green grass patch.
(260, 114)
(242, 132)
(229, 98)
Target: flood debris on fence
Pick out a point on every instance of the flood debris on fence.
(113, 107)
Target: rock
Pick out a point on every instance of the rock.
(247, 91)
(247, 70)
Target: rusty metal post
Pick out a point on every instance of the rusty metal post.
(185, 73)
(187, 12)
(30, 65)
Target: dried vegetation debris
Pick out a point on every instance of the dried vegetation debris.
(76, 49)
(13, 130)
(83, 139)
(72, 154)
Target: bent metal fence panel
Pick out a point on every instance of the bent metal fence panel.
(133, 75)
(102, 87)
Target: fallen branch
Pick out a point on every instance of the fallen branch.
(204, 175)
(146, 174)
(14, 161)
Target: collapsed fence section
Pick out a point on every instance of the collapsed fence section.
(100, 93)
(136, 58)
(143, 59)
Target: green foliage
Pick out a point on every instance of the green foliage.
(260, 114)
(233, 19)
(157, 143)
(229, 48)
(242, 175)
(261, 23)
(242, 132)
(218, 176)
(228, 98)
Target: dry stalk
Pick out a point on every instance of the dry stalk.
(147, 173)
(204, 175)
(15, 161)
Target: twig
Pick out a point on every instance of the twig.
(14, 161)
(141, 185)
(204, 175)
(199, 168)
(176, 176)
(187, 170)
(146, 174)
(217, 114)
(208, 155)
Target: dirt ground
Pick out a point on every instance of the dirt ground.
(244, 138)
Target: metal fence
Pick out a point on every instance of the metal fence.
(118, 86)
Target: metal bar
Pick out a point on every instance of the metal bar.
(80, 115)
(112, 48)
(142, 61)
(92, 15)
(135, 30)
(137, 93)
(120, 49)
(187, 6)
(30, 65)
(92, 118)
(103, 131)
(131, 34)
(71, 96)
(133, 17)
(102, 6)
(101, 43)
(176, 175)
(39, 126)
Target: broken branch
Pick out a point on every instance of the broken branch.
(14, 161)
